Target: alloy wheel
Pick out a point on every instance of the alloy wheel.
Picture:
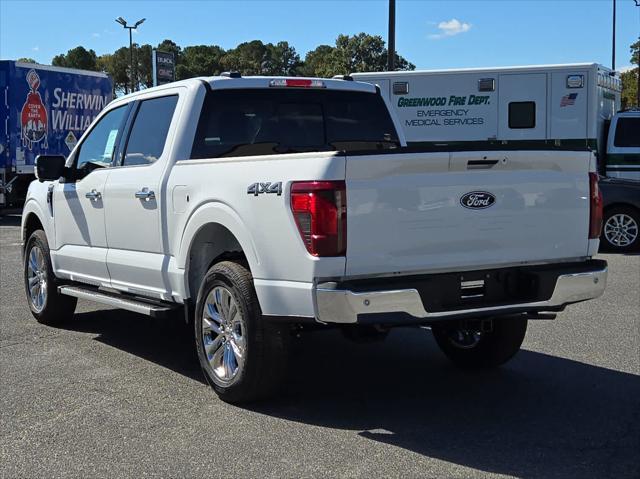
(36, 279)
(223, 335)
(621, 230)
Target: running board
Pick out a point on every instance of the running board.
(148, 308)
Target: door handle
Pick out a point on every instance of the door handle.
(93, 195)
(145, 194)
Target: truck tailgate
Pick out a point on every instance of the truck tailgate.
(415, 212)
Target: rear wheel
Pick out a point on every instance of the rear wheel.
(46, 304)
(477, 345)
(621, 229)
(242, 355)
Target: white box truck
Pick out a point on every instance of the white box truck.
(569, 106)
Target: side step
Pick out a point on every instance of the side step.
(146, 307)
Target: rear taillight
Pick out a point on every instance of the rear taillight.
(320, 211)
(595, 207)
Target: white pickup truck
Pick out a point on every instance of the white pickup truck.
(254, 204)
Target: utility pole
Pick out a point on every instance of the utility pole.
(613, 46)
(391, 43)
(638, 77)
(123, 22)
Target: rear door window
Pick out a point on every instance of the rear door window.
(149, 131)
(267, 122)
(627, 133)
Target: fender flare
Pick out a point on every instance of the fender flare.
(33, 207)
(218, 213)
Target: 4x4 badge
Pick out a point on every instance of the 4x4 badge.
(258, 188)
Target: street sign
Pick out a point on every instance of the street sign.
(164, 67)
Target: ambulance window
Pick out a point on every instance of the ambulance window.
(149, 132)
(522, 114)
(401, 88)
(627, 133)
(97, 148)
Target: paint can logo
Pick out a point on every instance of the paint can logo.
(33, 118)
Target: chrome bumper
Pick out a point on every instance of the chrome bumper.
(344, 306)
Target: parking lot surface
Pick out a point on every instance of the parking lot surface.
(114, 394)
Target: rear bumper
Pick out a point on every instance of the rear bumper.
(359, 302)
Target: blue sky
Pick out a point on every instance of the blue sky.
(431, 34)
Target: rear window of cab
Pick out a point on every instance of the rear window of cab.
(248, 122)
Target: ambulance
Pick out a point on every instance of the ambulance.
(565, 107)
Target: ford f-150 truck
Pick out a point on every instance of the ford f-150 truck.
(254, 204)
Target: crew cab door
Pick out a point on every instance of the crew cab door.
(79, 204)
(138, 257)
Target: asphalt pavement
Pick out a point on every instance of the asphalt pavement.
(114, 394)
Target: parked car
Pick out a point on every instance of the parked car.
(621, 225)
(252, 204)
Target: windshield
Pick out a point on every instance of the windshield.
(266, 122)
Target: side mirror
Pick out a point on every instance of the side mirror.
(50, 167)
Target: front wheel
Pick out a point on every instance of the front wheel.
(46, 304)
(242, 355)
(470, 346)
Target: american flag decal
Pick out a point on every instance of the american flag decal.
(568, 100)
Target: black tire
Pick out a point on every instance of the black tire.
(488, 350)
(264, 344)
(54, 307)
(631, 228)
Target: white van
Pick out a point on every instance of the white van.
(531, 107)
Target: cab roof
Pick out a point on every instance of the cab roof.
(226, 82)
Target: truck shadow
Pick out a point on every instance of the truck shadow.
(167, 342)
(538, 416)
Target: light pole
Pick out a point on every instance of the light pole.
(613, 43)
(638, 78)
(391, 46)
(123, 22)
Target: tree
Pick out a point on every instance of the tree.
(357, 53)
(317, 63)
(361, 52)
(629, 88)
(281, 59)
(364, 52)
(248, 58)
(142, 55)
(257, 58)
(200, 60)
(630, 79)
(78, 57)
(27, 60)
(117, 65)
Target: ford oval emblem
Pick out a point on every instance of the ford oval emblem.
(477, 200)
